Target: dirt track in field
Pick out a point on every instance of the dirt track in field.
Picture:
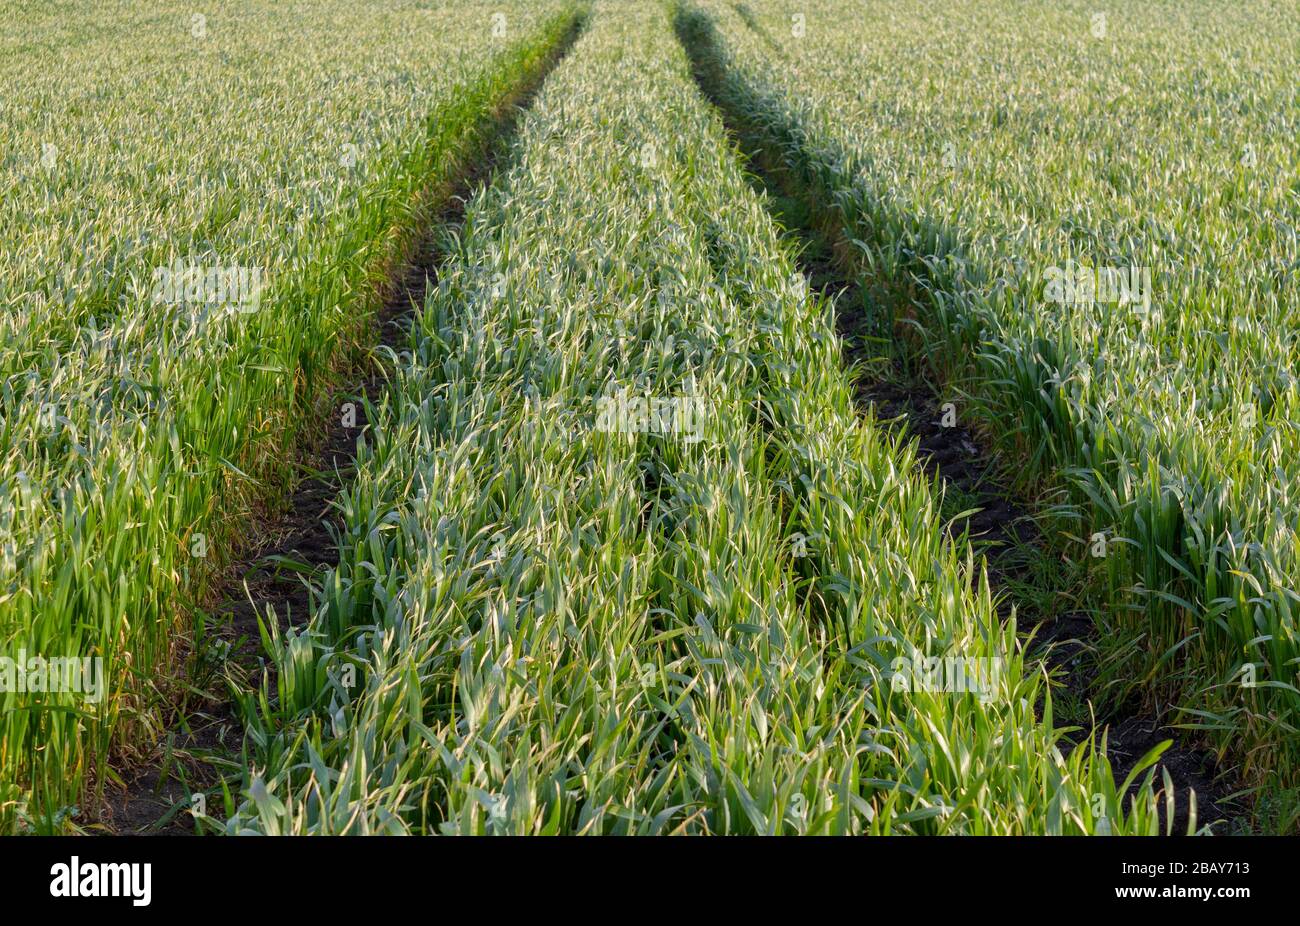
(297, 543)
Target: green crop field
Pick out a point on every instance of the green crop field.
(284, 140)
(1156, 142)
(709, 418)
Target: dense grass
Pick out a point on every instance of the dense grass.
(541, 625)
(962, 151)
(136, 437)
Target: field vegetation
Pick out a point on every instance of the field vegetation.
(625, 550)
(990, 172)
(556, 614)
(146, 406)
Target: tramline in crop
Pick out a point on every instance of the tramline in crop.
(1085, 223)
(197, 210)
(542, 623)
(624, 550)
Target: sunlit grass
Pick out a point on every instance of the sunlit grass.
(540, 626)
(136, 437)
(962, 151)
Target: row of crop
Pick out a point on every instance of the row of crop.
(621, 556)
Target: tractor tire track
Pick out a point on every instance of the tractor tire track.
(299, 540)
(1002, 527)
